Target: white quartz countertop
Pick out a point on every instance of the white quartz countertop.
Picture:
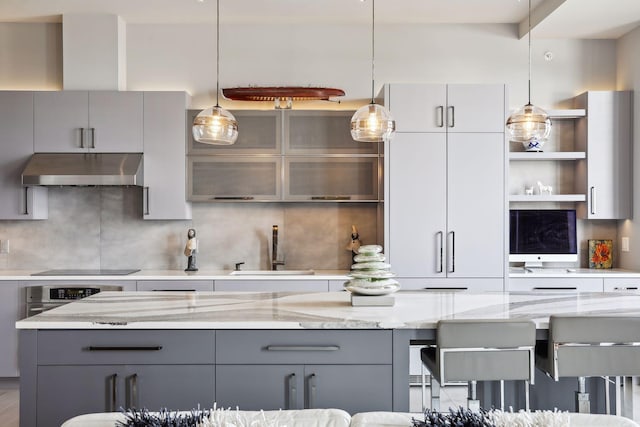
(327, 310)
(27, 275)
(518, 272)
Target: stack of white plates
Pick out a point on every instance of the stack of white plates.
(370, 274)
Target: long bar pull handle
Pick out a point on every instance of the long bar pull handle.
(133, 391)
(593, 200)
(303, 348)
(26, 200)
(146, 200)
(113, 382)
(293, 401)
(453, 251)
(125, 348)
(232, 198)
(439, 266)
(439, 289)
(93, 137)
(628, 288)
(451, 116)
(313, 390)
(82, 138)
(441, 116)
(559, 288)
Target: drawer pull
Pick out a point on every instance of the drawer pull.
(303, 348)
(134, 348)
(330, 197)
(559, 288)
(429, 288)
(630, 288)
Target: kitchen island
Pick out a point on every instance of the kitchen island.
(253, 350)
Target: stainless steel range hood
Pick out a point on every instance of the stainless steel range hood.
(83, 169)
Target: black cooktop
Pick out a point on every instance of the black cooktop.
(86, 272)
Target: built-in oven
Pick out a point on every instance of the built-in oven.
(45, 297)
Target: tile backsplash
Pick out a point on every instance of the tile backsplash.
(103, 228)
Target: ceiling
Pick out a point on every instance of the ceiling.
(607, 19)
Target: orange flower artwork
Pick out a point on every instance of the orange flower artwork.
(600, 253)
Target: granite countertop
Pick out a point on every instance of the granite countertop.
(177, 275)
(327, 310)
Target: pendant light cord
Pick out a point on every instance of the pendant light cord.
(373, 49)
(529, 36)
(218, 52)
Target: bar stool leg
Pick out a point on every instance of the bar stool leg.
(424, 387)
(526, 395)
(583, 405)
(473, 404)
(502, 395)
(607, 402)
(435, 394)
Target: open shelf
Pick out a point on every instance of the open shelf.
(567, 114)
(552, 155)
(547, 198)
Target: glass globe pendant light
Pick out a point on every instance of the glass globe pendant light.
(373, 122)
(529, 124)
(215, 125)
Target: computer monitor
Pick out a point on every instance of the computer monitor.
(542, 235)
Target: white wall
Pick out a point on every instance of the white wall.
(629, 79)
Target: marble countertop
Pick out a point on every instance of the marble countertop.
(27, 275)
(327, 310)
(518, 272)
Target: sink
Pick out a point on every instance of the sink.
(272, 273)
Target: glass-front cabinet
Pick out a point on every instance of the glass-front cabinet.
(291, 155)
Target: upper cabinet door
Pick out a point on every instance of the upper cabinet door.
(417, 107)
(61, 121)
(115, 122)
(475, 108)
(80, 121)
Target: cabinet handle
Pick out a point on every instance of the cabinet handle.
(93, 137)
(26, 200)
(330, 197)
(439, 266)
(593, 200)
(453, 251)
(114, 392)
(434, 288)
(451, 118)
(82, 138)
(232, 198)
(630, 288)
(303, 348)
(146, 200)
(125, 348)
(133, 391)
(440, 116)
(312, 391)
(293, 401)
(559, 288)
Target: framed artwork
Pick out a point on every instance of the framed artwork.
(600, 253)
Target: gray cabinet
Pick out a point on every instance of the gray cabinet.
(102, 371)
(164, 156)
(16, 147)
(350, 370)
(12, 309)
(274, 285)
(445, 206)
(286, 156)
(81, 121)
(605, 134)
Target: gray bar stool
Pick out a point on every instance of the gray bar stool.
(480, 350)
(591, 346)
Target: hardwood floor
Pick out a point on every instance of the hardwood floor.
(9, 403)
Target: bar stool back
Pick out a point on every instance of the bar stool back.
(481, 350)
(589, 346)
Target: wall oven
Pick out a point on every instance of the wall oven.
(46, 297)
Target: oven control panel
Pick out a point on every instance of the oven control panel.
(71, 293)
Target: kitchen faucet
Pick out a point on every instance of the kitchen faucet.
(274, 250)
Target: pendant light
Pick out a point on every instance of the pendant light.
(373, 122)
(215, 125)
(529, 123)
